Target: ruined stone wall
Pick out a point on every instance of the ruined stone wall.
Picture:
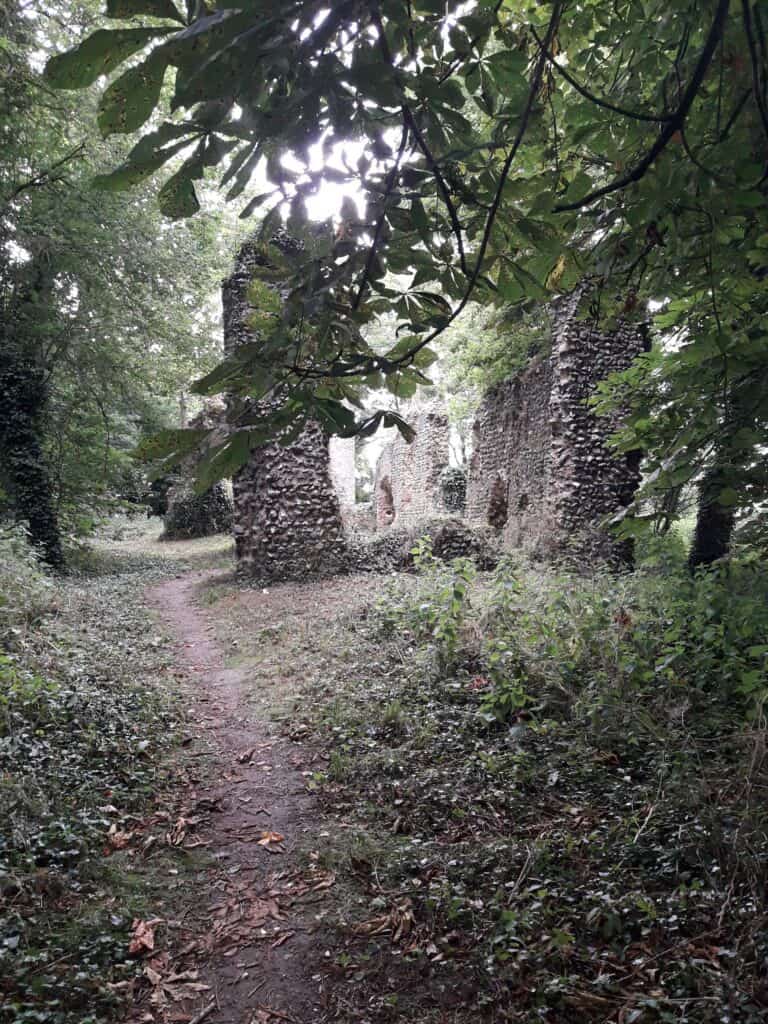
(407, 480)
(541, 472)
(287, 515)
(590, 481)
(509, 475)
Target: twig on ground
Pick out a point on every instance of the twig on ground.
(276, 1013)
(205, 1012)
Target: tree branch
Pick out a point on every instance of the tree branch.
(606, 104)
(44, 177)
(735, 114)
(421, 142)
(390, 184)
(757, 91)
(407, 357)
(672, 126)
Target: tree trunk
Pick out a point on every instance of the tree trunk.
(714, 522)
(22, 461)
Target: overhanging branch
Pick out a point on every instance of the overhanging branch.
(675, 123)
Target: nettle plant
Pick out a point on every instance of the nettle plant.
(437, 610)
(608, 648)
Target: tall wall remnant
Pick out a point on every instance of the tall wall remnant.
(407, 483)
(541, 472)
(287, 515)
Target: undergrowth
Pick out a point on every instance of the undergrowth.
(85, 725)
(25, 591)
(571, 774)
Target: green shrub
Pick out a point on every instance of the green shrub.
(25, 591)
(438, 609)
(608, 641)
(84, 723)
(591, 647)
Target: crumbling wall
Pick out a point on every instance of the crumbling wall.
(541, 472)
(408, 476)
(192, 515)
(287, 515)
(589, 481)
(509, 474)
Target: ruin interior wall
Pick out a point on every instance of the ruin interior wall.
(541, 471)
(287, 514)
(509, 474)
(407, 479)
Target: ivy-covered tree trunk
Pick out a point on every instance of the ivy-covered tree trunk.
(23, 465)
(714, 520)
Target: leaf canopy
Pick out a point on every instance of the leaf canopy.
(503, 151)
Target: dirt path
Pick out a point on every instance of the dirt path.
(252, 935)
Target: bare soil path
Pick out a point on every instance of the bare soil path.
(251, 934)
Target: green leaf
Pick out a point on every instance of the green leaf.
(218, 379)
(169, 443)
(156, 8)
(130, 100)
(509, 287)
(425, 357)
(401, 386)
(728, 496)
(177, 197)
(402, 347)
(392, 419)
(134, 171)
(225, 460)
(335, 417)
(98, 55)
(238, 373)
(255, 203)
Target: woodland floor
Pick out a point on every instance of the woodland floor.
(258, 932)
(332, 833)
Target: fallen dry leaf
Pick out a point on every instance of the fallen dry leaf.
(266, 1014)
(143, 936)
(178, 833)
(399, 921)
(174, 988)
(268, 837)
(116, 840)
(374, 926)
